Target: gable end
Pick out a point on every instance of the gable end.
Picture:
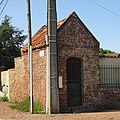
(74, 15)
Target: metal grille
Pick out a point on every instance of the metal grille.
(110, 76)
(74, 82)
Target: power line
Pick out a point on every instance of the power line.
(4, 7)
(2, 2)
(105, 8)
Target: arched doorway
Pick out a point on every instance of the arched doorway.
(74, 88)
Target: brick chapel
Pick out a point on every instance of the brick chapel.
(78, 67)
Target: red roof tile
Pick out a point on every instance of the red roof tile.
(60, 23)
(112, 55)
(38, 40)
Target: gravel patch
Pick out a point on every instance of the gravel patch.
(6, 113)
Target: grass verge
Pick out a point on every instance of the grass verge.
(4, 99)
(24, 106)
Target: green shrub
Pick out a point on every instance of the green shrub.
(4, 99)
(24, 106)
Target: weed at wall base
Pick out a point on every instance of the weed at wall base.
(24, 106)
(4, 99)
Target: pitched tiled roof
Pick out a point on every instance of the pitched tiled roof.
(112, 55)
(38, 40)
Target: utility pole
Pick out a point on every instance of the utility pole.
(52, 92)
(30, 55)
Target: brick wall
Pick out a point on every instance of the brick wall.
(74, 40)
(19, 84)
(109, 95)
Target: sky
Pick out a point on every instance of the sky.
(101, 17)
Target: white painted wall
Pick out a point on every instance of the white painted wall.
(109, 61)
(5, 82)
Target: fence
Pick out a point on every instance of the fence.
(110, 76)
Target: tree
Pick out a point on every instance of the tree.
(102, 52)
(11, 40)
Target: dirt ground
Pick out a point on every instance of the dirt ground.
(6, 113)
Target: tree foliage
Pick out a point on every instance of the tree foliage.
(11, 40)
(102, 52)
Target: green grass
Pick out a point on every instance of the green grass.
(4, 99)
(24, 106)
